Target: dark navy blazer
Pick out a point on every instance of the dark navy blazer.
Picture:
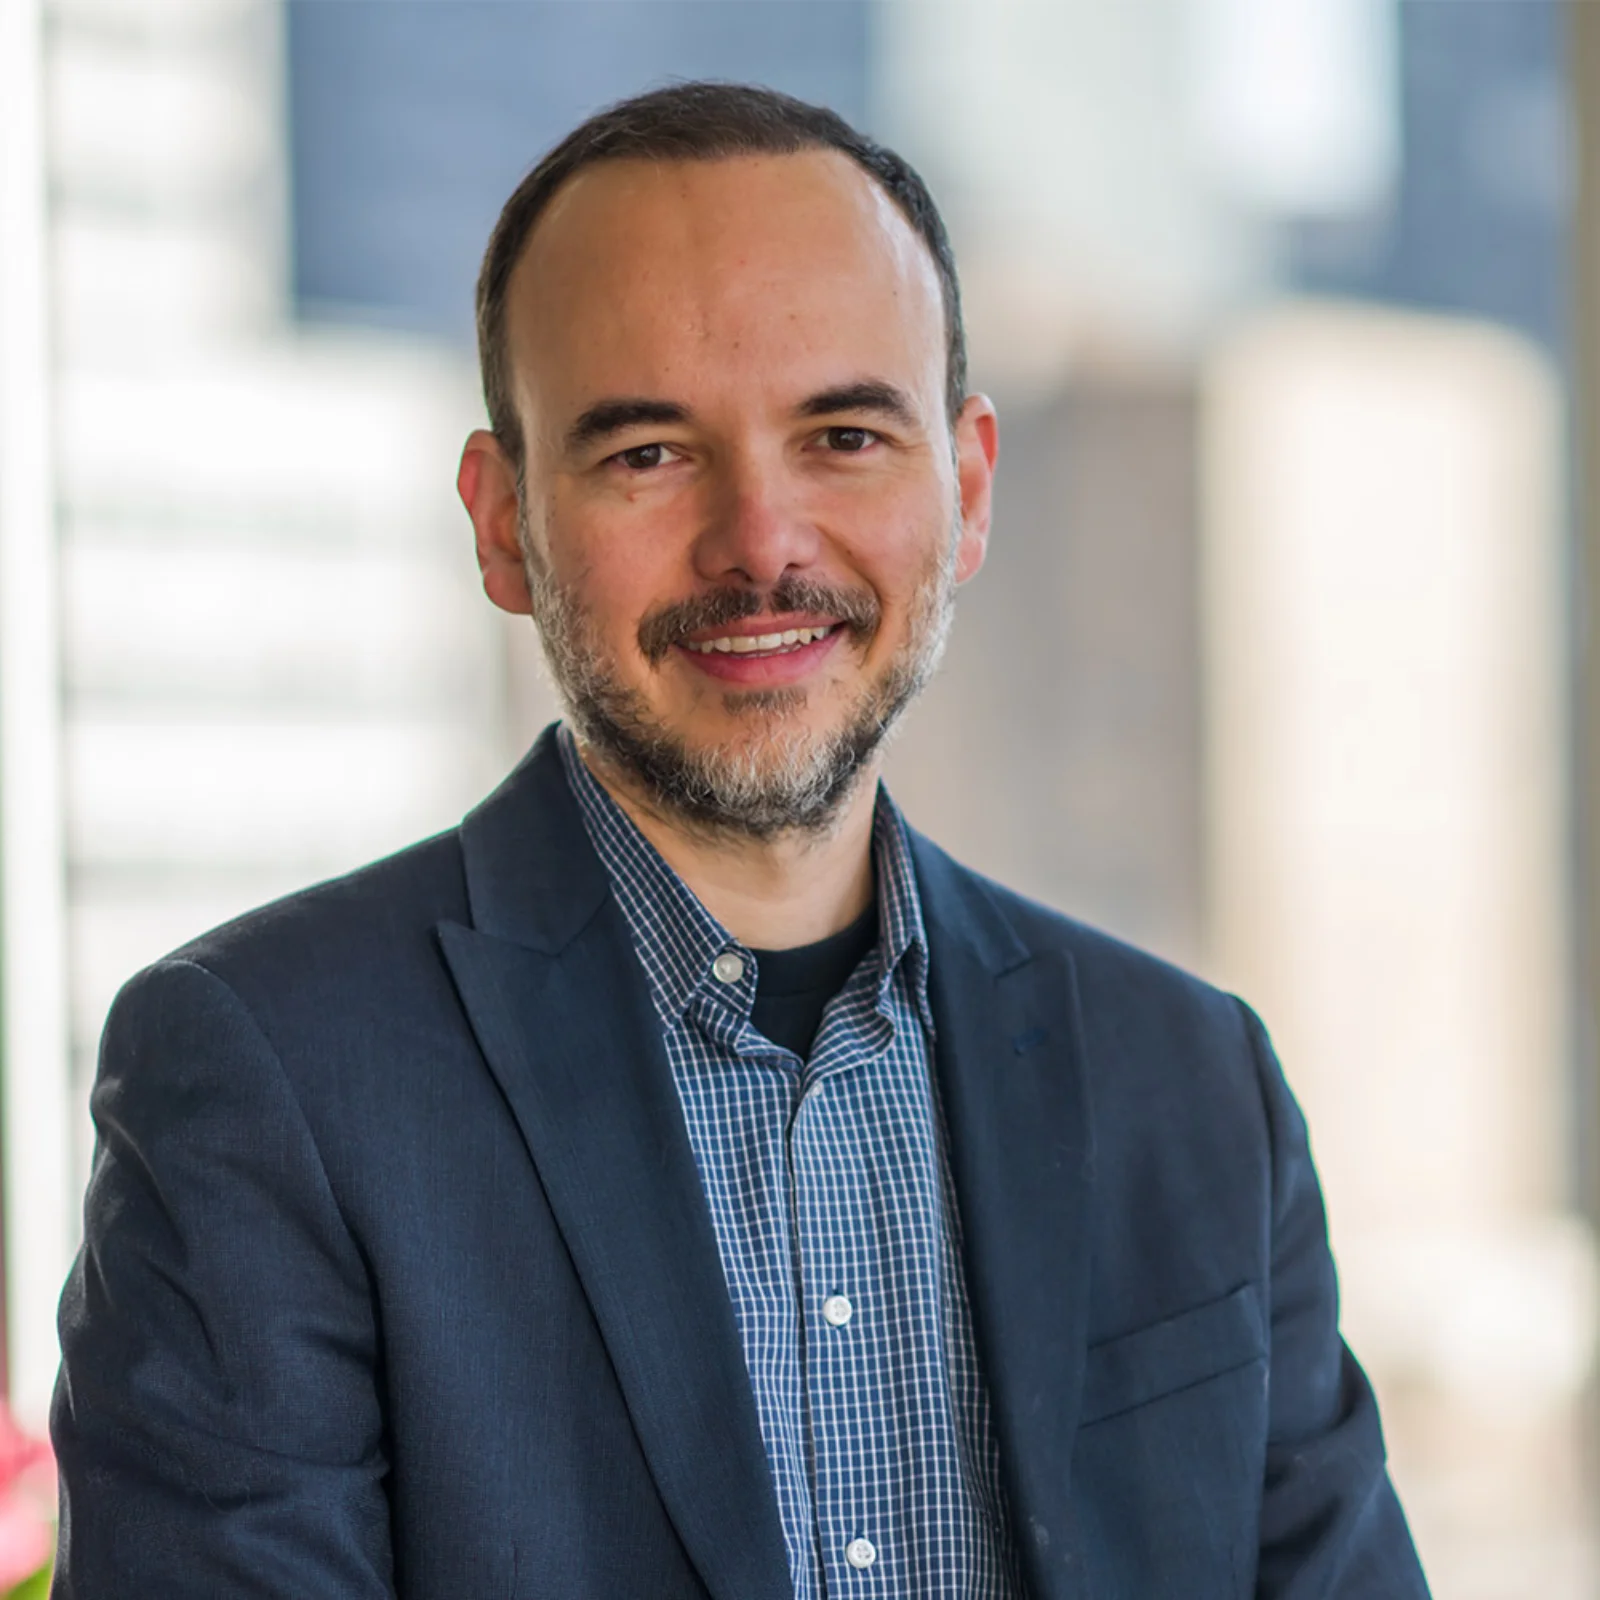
(398, 1277)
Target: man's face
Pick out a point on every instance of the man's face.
(742, 512)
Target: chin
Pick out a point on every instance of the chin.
(752, 718)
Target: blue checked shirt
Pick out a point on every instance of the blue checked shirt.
(835, 1216)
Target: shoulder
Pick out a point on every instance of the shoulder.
(366, 934)
(1170, 1061)
(356, 961)
(1179, 1087)
(1115, 980)
(329, 1010)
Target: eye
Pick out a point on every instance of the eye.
(849, 441)
(643, 457)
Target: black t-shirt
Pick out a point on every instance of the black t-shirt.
(793, 987)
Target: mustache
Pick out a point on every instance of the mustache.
(669, 625)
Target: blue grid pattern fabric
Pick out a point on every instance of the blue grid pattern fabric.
(835, 1216)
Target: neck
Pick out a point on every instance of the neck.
(770, 894)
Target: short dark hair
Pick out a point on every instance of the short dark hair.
(698, 122)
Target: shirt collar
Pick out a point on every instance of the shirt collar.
(678, 939)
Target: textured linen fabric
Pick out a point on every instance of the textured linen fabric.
(827, 1178)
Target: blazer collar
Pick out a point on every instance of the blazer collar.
(532, 877)
(559, 1004)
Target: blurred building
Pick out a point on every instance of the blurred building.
(409, 125)
(1476, 217)
(272, 659)
(1389, 870)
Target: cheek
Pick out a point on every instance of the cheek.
(897, 556)
(618, 575)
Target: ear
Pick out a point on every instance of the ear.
(977, 438)
(487, 484)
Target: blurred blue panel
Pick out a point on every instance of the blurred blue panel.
(412, 120)
(1479, 222)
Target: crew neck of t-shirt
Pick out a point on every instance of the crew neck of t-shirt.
(793, 987)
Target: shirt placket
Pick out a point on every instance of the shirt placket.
(750, 1186)
(844, 1369)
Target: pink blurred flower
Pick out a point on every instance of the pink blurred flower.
(27, 1502)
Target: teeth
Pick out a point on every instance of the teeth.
(751, 643)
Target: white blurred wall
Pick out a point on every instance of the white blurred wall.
(33, 1009)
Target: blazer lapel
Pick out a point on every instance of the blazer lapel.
(562, 1012)
(1009, 1063)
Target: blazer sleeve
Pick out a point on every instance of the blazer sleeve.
(217, 1422)
(1331, 1524)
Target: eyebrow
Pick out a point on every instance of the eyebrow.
(870, 395)
(606, 417)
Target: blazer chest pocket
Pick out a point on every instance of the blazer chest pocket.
(1174, 1354)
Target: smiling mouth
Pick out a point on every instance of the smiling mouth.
(764, 644)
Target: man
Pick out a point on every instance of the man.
(682, 1179)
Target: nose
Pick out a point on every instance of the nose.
(757, 527)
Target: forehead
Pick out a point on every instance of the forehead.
(642, 275)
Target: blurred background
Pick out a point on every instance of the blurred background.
(1275, 668)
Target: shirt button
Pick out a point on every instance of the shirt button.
(861, 1553)
(728, 967)
(837, 1310)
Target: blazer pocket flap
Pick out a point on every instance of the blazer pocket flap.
(1174, 1354)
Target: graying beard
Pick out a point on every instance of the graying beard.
(789, 783)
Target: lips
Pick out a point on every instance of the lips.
(762, 656)
(747, 644)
